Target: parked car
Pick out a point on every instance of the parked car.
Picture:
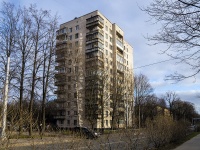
(85, 132)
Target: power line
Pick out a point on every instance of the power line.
(154, 63)
(160, 62)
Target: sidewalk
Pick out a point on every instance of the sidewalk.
(192, 144)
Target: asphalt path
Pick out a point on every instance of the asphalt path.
(192, 144)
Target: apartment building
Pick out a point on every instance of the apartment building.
(94, 74)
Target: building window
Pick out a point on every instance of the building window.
(75, 122)
(76, 43)
(77, 27)
(68, 122)
(111, 47)
(75, 95)
(70, 37)
(106, 28)
(69, 70)
(106, 36)
(110, 31)
(70, 45)
(69, 95)
(69, 62)
(70, 30)
(107, 60)
(106, 122)
(69, 87)
(68, 113)
(111, 55)
(106, 44)
(75, 113)
(106, 113)
(106, 52)
(61, 121)
(68, 104)
(76, 69)
(76, 36)
(110, 39)
(69, 78)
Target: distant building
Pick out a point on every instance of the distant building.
(94, 74)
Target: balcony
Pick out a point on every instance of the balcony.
(61, 108)
(60, 91)
(94, 31)
(96, 39)
(60, 100)
(60, 74)
(60, 42)
(62, 117)
(94, 21)
(61, 33)
(60, 82)
(60, 49)
(119, 44)
(60, 58)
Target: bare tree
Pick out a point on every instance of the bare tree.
(23, 47)
(142, 89)
(48, 70)
(8, 24)
(39, 33)
(180, 31)
(170, 97)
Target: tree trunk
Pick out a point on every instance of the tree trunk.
(5, 101)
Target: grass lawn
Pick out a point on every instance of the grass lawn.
(179, 142)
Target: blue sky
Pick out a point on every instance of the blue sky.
(136, 25)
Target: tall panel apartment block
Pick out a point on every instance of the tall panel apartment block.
(94, 74)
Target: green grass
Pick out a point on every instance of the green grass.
(179, 142)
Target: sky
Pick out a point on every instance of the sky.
(137, 26)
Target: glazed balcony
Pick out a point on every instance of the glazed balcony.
(61, 32)
(61, 108)
(62, 117)
(60, 74)
(94, 21)
(60, 91)
(60, 82)
(95, 30)
(60, 58)
(119, 44)
(60, 49)
(61, 42)
(60, 100)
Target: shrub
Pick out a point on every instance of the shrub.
(159, 130)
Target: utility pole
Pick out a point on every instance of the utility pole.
(5, 102)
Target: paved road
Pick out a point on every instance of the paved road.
(192, 144)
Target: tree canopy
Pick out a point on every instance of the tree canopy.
(180, 31)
